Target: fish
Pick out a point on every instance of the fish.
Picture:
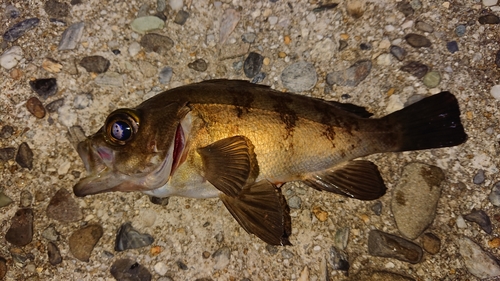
(241, 142)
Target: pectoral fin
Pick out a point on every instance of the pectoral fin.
(357, 179)
(229, 164)
(261, 209)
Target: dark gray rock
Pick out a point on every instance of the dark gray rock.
(386, 245)
(82, 241)
(252, 64)
(416, 69)
(417, 40)
(377, 208)
(12, 12)
(182, 265)
(54, 105)
(342, 45)
(129, 238)
(479, 177)
(6, 132)
(198, 65)
(159, 201)
(460, 30)
(18, 29)
(181, 17)
(20, 232)
(481, 218)
(45, 87)
(156, 43)
(7, 153)
(96, 64)
(258, 78)
(452, 46)
(405, 8)
(489, 19)
(24, 156)
(351, 76)
(165, 75)
(56, 9)
(54, 254)
(129, 270)
(63, 207)
(398, 52)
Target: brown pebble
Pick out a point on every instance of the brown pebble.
(155, 250)
(54, 254)
(206, 254)
(3, 267)
(320, 214)
(16, 74)
(35, 107)
(20, 232)
(494, 243)
(63, 207)
(431, 243)
(83, 241)
(417, 40)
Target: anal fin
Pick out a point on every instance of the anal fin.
(358, 179)
(261, 209)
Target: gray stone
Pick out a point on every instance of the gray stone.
(24, 156)
(165, 75)
(417, 40)
(229, 20)
(18, 29)
(415, 198)
(398, 52)
(481, 218)
(181, 17)
(54, 254)
(6, 131)
(50, 234)
(112, 79)
(252, 64)
(478, 262)
(294, 202)
(156, 43)
(129, 238)
(495, 194)
(423, 26)
(248, 37)
(96, 64)
(339, 259)
(479, 177)
(386, 245)
(351, 76)
(71, 36)
(11, 57)
(7, 153)
(147, 24)
(300, 76)
(221, 257)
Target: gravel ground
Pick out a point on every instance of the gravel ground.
(260, 41)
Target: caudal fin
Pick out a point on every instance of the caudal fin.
(430, 123)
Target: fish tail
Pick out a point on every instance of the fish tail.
(433, 122)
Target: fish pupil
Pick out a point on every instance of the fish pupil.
(121, 131)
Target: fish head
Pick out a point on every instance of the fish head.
(136, 150)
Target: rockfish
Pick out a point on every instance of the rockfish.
(240, 142)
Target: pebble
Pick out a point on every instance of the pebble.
(130, 270)
(35, 107)
(405, 8)
(461, 222)
(248, 37)
(45, 87)
(432, 79)
(460, 30)
(377, 208)
(3, 267)
(417, 40)
(486, 19)
(12, 12)
(26, 199)
(159, 201)
(386, 245)
(423, 26)
(11, 57)
(71, 36)
(53, 106)
(181, 17)
(252, 64)
(497, 59)
(495, 92)
(351, 76)
(287, 254)
(129, 238)
(50, 233)
(165, 75)
(20, 232)
(342, 45)
(384, 59)
(96, 64)
(198, 65)
(182, 265)
(221, 257)
(134, 48)
(258, 78)
(365, 46)
(24, 156)
(300, 76)
(4, 200)
(479, 177)
(481, 218)
(273, 250)
(63, 207)
(156, 43)
(51, 65)
(82, 101)
(56, 9)
(431, 243)
(230, 19)
(398, 52)
(416, 69)
(477, 262)
(176, 5)
(320, 214)
(452, 46)
(146, 24)
(83, 241)
(356, 8)
(18, 29)
(415, 198)
(161, 268)
(54, 254)
(7, 153)
(112, 79)
(295, 202)
(367, 274)
(161, 5)
(6, 131)
(495, 194)
(341, 238)
(488, 3)
(338, 259)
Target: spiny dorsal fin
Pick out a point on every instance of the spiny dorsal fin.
(229, 164)
(261, 209)
(358, 179)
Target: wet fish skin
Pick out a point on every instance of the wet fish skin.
(240, 141)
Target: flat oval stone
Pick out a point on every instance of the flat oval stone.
(96, 64)
(127, 269)
(415, 198)
(24, 156)
(417, 40)
(423, 26)
(398, 52)
(156, 43)
(432, 79)
(489, 19)
(147, 24)
(20, 232)
(11, 57)
(63, 207)
(300, 76)
(386, 245)
(229, 20)
(129, 238)
(416, 69)
(83, 241)
(18, 29)
(351, 76)
(181, 17)
(35, 107)
(198, 65)
(165, 75)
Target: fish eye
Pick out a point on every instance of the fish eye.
(121, 126)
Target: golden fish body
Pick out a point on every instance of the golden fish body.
(240, 141)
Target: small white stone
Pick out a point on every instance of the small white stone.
(11, 57)
(134, 48)
(311, 18)
(488, 3)
(304, 275)
(394, 104)
(273, 20)
(176, 5)
(389, 28)
(461, 222)
(384, 59)
(407, 24)
(384, 44)
(161, 268)
(495, 92)
(64, 168)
